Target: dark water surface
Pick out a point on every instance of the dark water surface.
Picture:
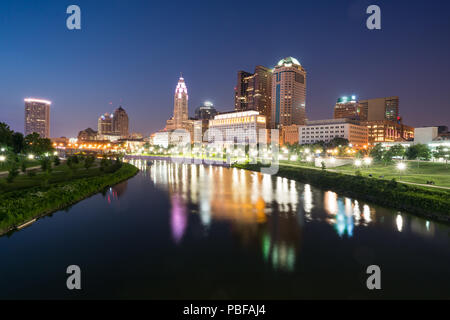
(180, 231)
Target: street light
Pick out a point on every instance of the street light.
(401, 166)
(30, 156)
(3, 149)
(358, 163)
(2, 158)
(367, 161)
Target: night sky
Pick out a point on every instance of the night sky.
(131, 53)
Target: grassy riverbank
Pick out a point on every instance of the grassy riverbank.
(22, 205)
(432, 204)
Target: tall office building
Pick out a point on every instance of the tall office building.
(205, 112)
(254, 91)
(120, 122)
(180, 107)
(349, 108)
(105, 124)
(37, 117)
(380, 109)
(288, 93)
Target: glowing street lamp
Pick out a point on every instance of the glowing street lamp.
(30, 156)
(2, 158)
(309, 158)
(3, 149)
(401, 166)
(307, 151)
(318, 151)
(368, 161)
(358, 163)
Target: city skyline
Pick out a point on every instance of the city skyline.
(146, 93)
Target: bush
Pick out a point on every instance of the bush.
(18, 207)
(13, 172)
(31, 173)
(56, 161)
(422, 201)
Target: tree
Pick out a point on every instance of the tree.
(338, 142)
(56, 161)
(418, 152)
(23, 166)
(36, 145)
(18, 142)
(13, 171)
(397, 150)
(377, 152)
(442, 152)
(5, 135)
(46, 164)
(88, 162)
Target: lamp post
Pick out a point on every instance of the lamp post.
(401, 166)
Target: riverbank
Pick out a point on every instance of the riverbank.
(19, 207)
(430, 204)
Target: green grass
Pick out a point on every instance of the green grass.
(5, 165)
(432, 203)
(20, 206)
(59, 173)
(437, 172)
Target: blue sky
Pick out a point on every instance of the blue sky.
(131, 53)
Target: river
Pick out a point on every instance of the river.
(202, 232)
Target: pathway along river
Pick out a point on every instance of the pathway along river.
(191, 231)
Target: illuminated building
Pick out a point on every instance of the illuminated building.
(254, 91)
(120, 123)
(180, 107)
(327, 130)
(388, 131)
(289, 134)
(160, 138)
(37, 117)
(349, 108)
(288, 93)
(205, 111)
(237, 127)
(105, 124)
(87, 134)
(380, 109)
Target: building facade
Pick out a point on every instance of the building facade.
(288, 93)
(121, 123)
(87, 135)
(289, 134)
(380, 109)
(388, 131)
(237, 127)
(180, 106)
(105, 124)
(348, 107)
(253, 91)
(327, 130)
(205, 112)
(37, 117)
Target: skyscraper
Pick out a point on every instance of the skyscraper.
(120, 122)
(180, 107)
(205, 112)
(380, 108)
(37, 117)
(348, 107)
(288, 93)
(254, 91)
(105, 124)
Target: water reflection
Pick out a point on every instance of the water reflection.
(267, 211)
